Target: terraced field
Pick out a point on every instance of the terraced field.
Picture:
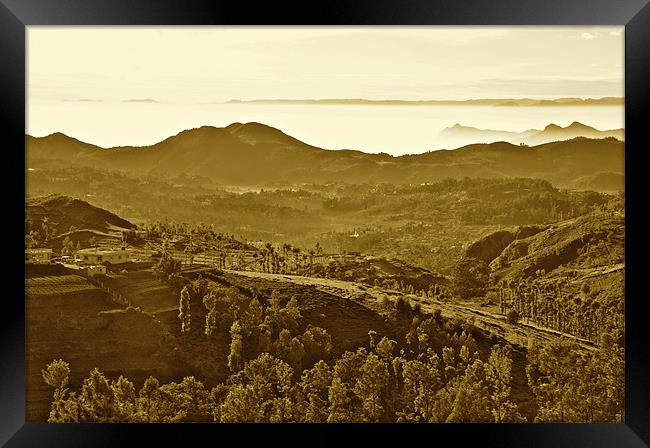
(58, 285)
(143, 290)
(69, 318)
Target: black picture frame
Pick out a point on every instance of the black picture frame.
(15, 15)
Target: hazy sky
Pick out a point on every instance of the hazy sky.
(89, 82)
(215, 64)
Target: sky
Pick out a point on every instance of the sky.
(115, 86)
(215, 64)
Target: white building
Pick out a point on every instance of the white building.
(41, 255)
(98, 256)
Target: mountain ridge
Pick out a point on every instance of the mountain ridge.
(257, 154)
(551, 132)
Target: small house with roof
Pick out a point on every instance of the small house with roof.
(95, 256)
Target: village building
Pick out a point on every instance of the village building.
(95, 256)
(38, 255)
(87, 270)
(95, 270)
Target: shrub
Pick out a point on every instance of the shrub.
(402, 305)
(417, 308)
(512, 317)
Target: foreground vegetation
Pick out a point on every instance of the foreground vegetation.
(438, 371)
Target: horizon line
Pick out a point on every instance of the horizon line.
(510, 101)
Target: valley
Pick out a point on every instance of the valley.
(309, 295)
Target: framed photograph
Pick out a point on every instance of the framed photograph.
(404, 219)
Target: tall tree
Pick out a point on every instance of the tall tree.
(499, 377)
(370, 387)
(184, 313)
(236, 347)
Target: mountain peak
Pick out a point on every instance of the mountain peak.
(252, 126)
(259, 132)
(58, 136)
(578, 125)
(552, 127)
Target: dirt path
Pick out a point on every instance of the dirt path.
(518, 334)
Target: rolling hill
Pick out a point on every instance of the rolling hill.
(62, 212)
(256, 154)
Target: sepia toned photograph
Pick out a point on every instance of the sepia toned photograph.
(325, 224)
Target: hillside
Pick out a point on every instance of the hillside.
(256, 154)
(569, 276)
(62, 212)
(579, 245)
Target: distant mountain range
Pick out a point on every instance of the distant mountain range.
(256, 154)
(605, 101)
(550, 133)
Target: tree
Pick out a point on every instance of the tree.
(498, 377)
(551, 373)
(210, 302)
(195, 403)
(370, 387)
(184, 310)
(166, 267)
(402, 306)
(67, 246)
(57, 375)
(339, 409)
(471, 277)
(241, 405)
(147, 398)
(571, 385)
(236, 347)
(471, 401)
(385, 348)
(318, 344)
(421, 383)
(184, 401)
(97, 399)
(296, 355)
(252, 317)
(282, 346)
(124, 399)
(315, 384)
(259, 392)
(512, 317)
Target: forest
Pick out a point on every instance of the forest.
(281, 370)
